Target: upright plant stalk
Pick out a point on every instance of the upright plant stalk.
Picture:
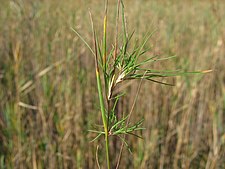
(104, 36)
(117, 29)
(103, 116)
(124, 26)
(17, 60)
(101, 98)
(104, 53)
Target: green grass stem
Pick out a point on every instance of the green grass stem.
(100, 94)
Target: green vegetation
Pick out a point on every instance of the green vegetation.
(49, 109)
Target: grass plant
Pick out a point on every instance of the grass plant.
(117, 65)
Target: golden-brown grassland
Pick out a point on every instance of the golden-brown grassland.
(48, 93)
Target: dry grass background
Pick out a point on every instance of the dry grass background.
(48, 96)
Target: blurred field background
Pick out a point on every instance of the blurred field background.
(48, 95)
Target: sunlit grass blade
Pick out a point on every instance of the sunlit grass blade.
(97, 137)
(135, 135)
(119, 123)
(95, 131)
(84, 41)
(164, 83)
(145, 40)
(126, 144)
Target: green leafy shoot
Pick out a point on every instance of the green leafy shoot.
(118, 64)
